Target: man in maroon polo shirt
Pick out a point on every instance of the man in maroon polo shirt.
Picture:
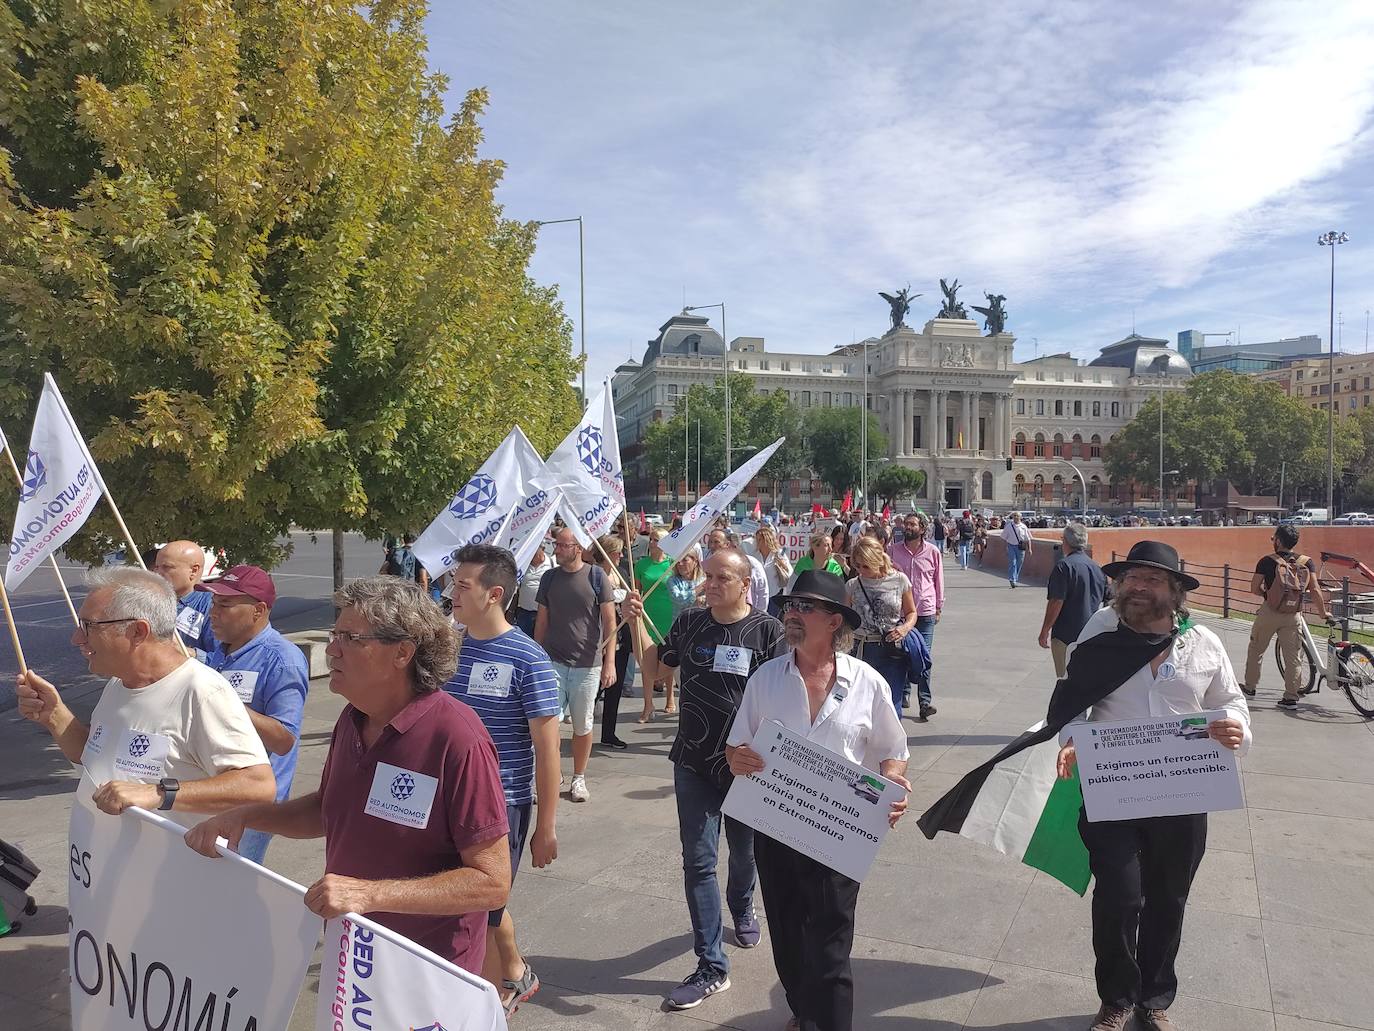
(410, 802)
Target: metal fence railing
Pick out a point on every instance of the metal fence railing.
(1226, 589)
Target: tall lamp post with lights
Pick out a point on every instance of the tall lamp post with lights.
(1331, 239)
(726, 358)
(581, 292)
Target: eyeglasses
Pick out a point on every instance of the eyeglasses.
(347, 637)
(805, 606)
(86, 624)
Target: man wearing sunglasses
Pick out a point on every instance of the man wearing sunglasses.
(167, 733)
(716, 649)
(822, 693)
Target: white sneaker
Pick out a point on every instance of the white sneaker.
(578, 791)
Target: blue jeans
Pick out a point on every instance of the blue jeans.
(892, 668)
(925, 626)
(253, 845)
(1015, 556)
(965, 550)
(699, 819)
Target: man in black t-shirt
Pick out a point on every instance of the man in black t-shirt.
(1269, 621)
(1076, 589)
(715, 650)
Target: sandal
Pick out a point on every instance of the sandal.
(521, 991)
(646, 717)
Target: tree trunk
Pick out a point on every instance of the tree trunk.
(337, 539)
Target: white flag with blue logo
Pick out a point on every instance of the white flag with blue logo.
(60, 487)
(713, 503)
(483, 507)
(586, 468)
(374, 978)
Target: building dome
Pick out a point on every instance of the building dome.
(1144, 356)
(685, 334)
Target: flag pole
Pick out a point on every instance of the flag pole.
(19, 479)
(14, 630)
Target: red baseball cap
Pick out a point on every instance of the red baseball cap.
(249, 581)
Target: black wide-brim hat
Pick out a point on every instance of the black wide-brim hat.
(818, 585)
(1155, 555)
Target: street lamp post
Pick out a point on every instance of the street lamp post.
(581, 293)
(863, 431)
(726, 340)
(1331, 239)
(1077, 472)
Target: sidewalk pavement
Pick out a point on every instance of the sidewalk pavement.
(951, 935)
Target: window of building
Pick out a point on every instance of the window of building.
(1020, 485)
(808, 366)
(1314, 390)
(1300, 374)
(763, 364)
(672, 390)
(848, 399)
(786, 366)
(1078, 409)
(827, 367)
(1076, 446)
(1078, 377)
(1116, 409)
(1059, 377)
(1039, 406)
(1039, 445)
(1059, 408)
(1061, 449)
(987, 486)
(1020, 406)
(806, 398)
(825, 399)
(1095, 447)
(1018, 447)
(1039, 375)
(1097, 409)
(1038, 488)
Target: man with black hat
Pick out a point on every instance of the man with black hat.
(822, 693)
(1144, 868)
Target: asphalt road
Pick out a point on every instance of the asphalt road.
(304, 584)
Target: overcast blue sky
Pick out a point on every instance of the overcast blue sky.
(1087, 160)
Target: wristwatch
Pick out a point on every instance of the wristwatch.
(168, 787)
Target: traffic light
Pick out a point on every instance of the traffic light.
(1008, 465)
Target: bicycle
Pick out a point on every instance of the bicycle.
(1353, 664)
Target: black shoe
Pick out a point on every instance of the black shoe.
(614, 742)
(927, 711)
(1287, 703)
(1249, 692)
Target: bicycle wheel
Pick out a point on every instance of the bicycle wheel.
(1357, 677)
(1307, 673)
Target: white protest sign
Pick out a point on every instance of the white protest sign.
(373, 978)
(795, 540)
(60, 487)
(814, 800)
(1156, 766)
(160, 936)
(484, 506)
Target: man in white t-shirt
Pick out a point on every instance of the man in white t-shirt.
(168, 733)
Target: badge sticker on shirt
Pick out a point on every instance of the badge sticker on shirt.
(243, 681)
(190, 622)
(490, 679)
(401, 796)
(1167, 670)
(731, 658)
(141, 755)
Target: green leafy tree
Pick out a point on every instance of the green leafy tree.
(833, 439)
(893, 482)
(1228, 426)
(274, 284)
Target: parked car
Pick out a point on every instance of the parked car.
(1354, 519)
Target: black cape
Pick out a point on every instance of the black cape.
(1097, 667)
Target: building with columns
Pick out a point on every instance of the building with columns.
(987, 431)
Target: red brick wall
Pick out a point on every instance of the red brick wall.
(1204, 550)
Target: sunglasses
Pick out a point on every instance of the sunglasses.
(805, 607)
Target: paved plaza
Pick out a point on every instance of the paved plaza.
(1279, 933)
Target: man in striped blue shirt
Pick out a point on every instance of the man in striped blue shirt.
(507, 679)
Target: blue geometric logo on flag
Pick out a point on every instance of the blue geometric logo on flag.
(35, 477)
(402, 786)
(477, 495)
(429, 1027)
(138, 746)
(589, 449)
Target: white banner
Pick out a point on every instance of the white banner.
(699, 517)
(372, 978)
(483, 508)
(1158, 766)
(586, 468)
(814, 800)
(795, 540)
(61, 486)
(160, 936)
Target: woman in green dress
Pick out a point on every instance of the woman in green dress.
(658, 618)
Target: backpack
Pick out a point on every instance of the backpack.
(1291, 579)
(404, 563)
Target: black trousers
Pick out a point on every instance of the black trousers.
(610, 699)
(810, 912)
(1144, 870)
